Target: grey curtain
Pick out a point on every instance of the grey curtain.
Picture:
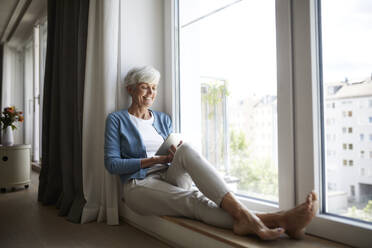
(60, 180)
(1, 73)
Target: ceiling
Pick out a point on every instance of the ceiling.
(6, 9)
(17, 19)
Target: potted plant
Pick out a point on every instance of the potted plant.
(8, 118)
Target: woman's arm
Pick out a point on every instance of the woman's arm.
(148, 162)
(114, 163)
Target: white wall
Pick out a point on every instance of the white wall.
(142, 40)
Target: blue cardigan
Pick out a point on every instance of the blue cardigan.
(124, 146)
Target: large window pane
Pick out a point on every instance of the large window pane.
(347, 104)
(228, 90)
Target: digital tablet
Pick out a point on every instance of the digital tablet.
(172, 139)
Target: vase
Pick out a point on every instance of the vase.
(8, 138)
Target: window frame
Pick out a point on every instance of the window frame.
(306, 39)
(299, 153)
(285, 107)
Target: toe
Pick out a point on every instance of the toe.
(314, 196)
(271, 234)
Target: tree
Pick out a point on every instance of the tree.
(256, 175)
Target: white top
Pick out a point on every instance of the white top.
(151, 138)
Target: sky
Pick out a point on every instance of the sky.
(347, 39)
(239, 42)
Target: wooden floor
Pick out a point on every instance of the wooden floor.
(24, 222)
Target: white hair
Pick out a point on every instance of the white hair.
(146, 74)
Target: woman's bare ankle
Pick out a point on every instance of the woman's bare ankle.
(245, 221)
(231, 205)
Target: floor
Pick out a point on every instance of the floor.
(24, 222)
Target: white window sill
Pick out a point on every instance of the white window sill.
(182, 232)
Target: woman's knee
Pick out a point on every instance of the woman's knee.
(185, 149)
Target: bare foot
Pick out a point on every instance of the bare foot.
(248, 223)
(295, 220)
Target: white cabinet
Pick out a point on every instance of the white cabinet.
(15, 166)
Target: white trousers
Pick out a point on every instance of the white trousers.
(170, 192)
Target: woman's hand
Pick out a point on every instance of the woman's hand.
(172, 150)
(163, 159)
(168, 158)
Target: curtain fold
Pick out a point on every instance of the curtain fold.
(101, 189)
(60, 180)
(1, 73)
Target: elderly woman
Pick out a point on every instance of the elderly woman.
(162, 185)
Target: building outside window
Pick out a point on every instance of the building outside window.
(362, 154)
(233, 109)
(353, 92)
(352, 190)
(231, 77)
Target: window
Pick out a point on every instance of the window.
(352, 190)
(370, 154)
(34, 66)
(231, 77)
(362, 172)
(312, 168)
(370, 103)
(370, 137)
(338, 42)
